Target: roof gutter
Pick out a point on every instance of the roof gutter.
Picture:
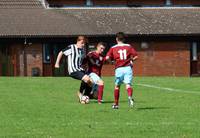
(99, 35)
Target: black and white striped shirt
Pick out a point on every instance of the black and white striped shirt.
(74, 57)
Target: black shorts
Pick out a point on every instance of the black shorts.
(78, 75)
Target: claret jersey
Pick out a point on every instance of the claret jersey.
(121, 54)
(95, 62)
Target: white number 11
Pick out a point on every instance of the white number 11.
(122, 54)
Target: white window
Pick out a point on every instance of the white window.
(194, 51)
(89, 3)
(144, 45)
(168, 3)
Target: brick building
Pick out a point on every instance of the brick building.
(164, 32)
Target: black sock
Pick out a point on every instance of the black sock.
(88, 90)
(82, 87)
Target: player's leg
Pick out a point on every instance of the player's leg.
(87, 80)
(97, 81)
(85, 89)
(94, 92)
(100, 90)
(82, 87)
(116, 97)
(130, 98)
(118, 81)
(80, 75)
(128, 77)
(88, 90)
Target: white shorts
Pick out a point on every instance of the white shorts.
(123, 75)
(95, 78)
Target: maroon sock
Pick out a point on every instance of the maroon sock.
(100, 92)
(116, 95)
(130, 92)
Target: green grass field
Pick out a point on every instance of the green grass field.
(47, 108)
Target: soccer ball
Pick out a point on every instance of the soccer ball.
(84, 99)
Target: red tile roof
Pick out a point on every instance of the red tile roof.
(31, 19)
(20, 4)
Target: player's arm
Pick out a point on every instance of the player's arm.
(66, 52)
(84, 63)
(109, 56)
(91, 60)
(134, 56)
(109, 60)
(59, 57)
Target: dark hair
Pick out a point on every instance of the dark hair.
(121, 36)
(101, 43)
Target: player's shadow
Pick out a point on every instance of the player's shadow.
(106, 102)
(113, 102)
(152, 108)
(124, 101)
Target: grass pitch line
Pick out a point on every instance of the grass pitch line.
(167, 89)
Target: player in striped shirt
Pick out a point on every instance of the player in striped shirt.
(123, 54)
(75, 54)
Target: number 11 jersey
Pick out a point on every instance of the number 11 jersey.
(122, 54)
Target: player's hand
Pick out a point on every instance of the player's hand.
(84, 66)
(106, 58)
(98, 65)
(57, 65)
(131, 64)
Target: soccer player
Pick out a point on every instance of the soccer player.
(75, 54)
(95, 61)
(123, 54)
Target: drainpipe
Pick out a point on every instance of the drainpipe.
(24, 57)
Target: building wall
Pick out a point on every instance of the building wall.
(33, 59)
(7, 60)
(15, 50)
(163, 59)
(108, 70)
(160, 59)
(107, 2)
(67, 2)
(190, 2)
(48, 70)
(124, 2)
